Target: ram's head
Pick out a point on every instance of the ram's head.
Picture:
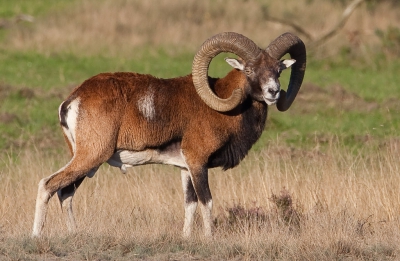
(261, 67)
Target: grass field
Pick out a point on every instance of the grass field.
(279, 204)
(321, 184)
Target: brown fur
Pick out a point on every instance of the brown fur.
(109, 120)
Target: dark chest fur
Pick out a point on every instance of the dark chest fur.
(239, 143)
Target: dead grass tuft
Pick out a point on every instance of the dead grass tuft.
(286, 211)
(240, 219)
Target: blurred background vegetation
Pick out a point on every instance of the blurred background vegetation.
(350, 93)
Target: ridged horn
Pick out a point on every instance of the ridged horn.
(293, 45)
(224, 42)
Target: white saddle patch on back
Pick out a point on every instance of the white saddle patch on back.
(170, 155)
(146, 104)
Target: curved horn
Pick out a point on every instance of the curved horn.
(224, 42)
(289, 43)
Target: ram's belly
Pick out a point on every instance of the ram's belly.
(170, 155)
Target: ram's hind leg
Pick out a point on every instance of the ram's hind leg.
(83, 163)
(63, 181)
(65, 196)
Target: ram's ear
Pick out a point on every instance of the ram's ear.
(287, 63)
(237, 64)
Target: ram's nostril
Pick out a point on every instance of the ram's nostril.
(273, 91)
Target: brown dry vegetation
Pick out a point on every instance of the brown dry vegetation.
(280, 203)
(119, 27)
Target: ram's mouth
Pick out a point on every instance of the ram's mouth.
(270, 101)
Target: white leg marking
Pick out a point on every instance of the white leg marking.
(146, 104)
(190, 208)
(206, 211)
(42, 200)
(66, 205)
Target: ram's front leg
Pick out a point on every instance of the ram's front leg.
(190, 202)
(199, 178)
(204, 195)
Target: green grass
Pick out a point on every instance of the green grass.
(33, 84)
(52, 77)
(378, 124)
(34, 70)
(373, 82)
(9, 9)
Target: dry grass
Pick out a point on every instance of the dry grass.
(120, 27)
(279, 203)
